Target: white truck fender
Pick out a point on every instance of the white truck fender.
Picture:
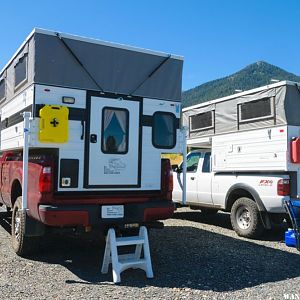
(241, 186)
(247, 188)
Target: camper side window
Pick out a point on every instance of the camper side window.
(256, 110)
(202, 121)
(115, 126)
(21, 71)
(2, 89)
(164, 130)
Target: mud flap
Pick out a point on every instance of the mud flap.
(34, 227)
(265, 218)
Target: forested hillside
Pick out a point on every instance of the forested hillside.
(252, 76)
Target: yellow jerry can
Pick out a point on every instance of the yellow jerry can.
(54, 127)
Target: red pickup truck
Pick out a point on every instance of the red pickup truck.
(46, 207)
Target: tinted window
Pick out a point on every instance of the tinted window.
(192, 161)
(21, 70)
(115, 123)
(201, 121)
(256, 109)
(206, 163)
(2, 89)
(164, 131)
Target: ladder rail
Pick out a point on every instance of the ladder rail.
(130, 260)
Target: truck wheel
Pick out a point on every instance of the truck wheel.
(208, 211)
(245, 218)
(23, 245)
(8, 211)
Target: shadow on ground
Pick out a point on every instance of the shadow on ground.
(222, 220)
(182, 256)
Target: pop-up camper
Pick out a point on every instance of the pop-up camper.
(102, 115)
(246, 156)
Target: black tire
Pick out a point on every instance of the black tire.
(23, 245)
(208, 211)
(245, 218)
(8, 211)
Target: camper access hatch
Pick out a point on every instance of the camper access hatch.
(112, 143)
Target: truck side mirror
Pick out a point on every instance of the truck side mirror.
(174, 168)
(177, 169)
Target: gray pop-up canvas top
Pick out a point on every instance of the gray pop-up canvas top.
(71, 61)
(267, 106)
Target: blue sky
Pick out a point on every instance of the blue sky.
(215, 37)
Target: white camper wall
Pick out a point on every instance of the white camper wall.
(151, 157)
(255, 150)
(74, 148)
(12, 137)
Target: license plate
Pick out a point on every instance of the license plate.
(112, 211)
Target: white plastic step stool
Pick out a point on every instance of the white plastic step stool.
(127, 261)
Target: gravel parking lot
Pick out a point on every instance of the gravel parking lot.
(193, 257)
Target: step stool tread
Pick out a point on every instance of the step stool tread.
(129, 240)
(132, 261)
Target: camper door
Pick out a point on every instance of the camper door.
(112, 143)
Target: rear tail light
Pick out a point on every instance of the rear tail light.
(283, 187)
(45, 180)
(170, 180)
(166, 178)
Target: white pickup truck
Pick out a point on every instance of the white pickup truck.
(254, 199)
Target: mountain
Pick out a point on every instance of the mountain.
(252, 76)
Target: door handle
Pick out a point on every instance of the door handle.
(82, 130)
(192, 178)
(93, 138)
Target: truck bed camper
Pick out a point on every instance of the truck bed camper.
(246, 157)
(101, 116)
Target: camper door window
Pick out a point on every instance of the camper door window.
(115, 125)
(164, 130)
(21, 71)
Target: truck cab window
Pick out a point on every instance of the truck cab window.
(206, 163)
(115, 123)
(192, 161)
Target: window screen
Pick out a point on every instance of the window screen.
(164, 131)
(21, 70)
(115, 126)
(258, 109)
(2, 89)
(201, 121)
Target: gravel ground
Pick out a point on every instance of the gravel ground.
(193, 257)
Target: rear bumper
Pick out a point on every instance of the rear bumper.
(84, 215)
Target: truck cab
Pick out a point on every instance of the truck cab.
(198, 179)
(254, 199)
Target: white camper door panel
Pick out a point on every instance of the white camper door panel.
(113, 143)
